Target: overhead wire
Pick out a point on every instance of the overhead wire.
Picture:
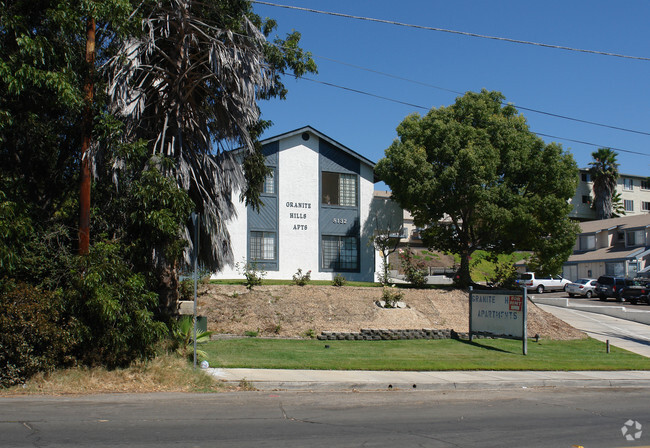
(362, 92)
(462, 33)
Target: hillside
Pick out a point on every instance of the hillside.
(294, 311)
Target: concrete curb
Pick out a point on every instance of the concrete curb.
(314, 380)
(620, 312)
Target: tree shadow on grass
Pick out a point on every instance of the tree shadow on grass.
(487, 347)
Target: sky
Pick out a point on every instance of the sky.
(608, 90)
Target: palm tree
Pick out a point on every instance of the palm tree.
(189, 85)
(604, 173)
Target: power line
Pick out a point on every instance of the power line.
(444, 30)
(329, 84)
(550, 114)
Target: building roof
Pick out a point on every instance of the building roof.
(321, 136)
(607, 254)
(620, 175)
(622, 223)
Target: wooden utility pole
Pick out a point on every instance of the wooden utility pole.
(87, 128)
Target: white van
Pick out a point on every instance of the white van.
(543, 283)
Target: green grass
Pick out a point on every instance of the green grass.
(421, 355)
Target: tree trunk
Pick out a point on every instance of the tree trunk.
(167, 289)
(464, 278)
(84, 188)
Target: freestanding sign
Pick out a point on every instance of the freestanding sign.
(501, 313)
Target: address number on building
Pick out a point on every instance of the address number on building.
(340, 221)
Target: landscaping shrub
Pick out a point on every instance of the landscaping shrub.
(301, 279)
(339, 280)
(414, 269)
(116, 309)
(35, 334)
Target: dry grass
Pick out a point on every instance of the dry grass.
(166, 373)
(291, 311)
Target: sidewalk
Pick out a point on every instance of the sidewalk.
(626, 334)
(332, 380)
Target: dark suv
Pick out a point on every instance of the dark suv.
(608, 286)
(637, 291)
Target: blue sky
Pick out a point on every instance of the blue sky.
(603, 89)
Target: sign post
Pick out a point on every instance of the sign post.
(501, 313)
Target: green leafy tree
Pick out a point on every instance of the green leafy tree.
(604, 174)
(476, 177)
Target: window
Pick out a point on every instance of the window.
(586, 177)
(340, 253)
(587, 242)
(635, 238)
(615, 269)
(629, 205)
(586, 200)
(645, 185)
(628, 184)
(645, 206)
(339, 189)
(269, 183)
(262, 246)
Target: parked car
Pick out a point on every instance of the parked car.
(609, 286)
(540, 284)
(636, 291)
(585, 287)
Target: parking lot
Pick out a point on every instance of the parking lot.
(592, 301)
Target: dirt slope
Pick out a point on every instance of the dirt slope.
(292, 311)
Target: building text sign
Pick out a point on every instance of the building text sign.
(501, 313)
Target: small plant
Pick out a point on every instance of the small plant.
(301, 279)
(244, 384)
(183, 334)
(414, 269)
(252, 333)
(311, 334)
(391, 296)
(234, 295)
(339, 280)
(251, 273)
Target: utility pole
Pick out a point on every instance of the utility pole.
(87, 129)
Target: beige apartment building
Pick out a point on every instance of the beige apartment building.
(634, 191)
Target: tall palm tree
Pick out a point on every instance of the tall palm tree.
(189, 86)
(604, 173)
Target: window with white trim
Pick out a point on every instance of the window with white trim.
(629, 205)
(340, 253)
(339, 189)
(645, 206)
(262, 246)
(645, 185)
(628, 184)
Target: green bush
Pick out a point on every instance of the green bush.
(35, 335)
(252, 274)
(339, 280)
(414, 269)
(301, 279)
(391, 296)
(116, 309)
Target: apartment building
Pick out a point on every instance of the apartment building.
(634, 191)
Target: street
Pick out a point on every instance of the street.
(556, 417)
(592, 301)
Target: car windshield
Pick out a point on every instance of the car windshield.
(637, 282)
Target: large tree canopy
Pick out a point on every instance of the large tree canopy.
(476, 177)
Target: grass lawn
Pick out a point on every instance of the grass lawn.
(291, 282)
(421, 355)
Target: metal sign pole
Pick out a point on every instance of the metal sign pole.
(525, 323)
(195, 222)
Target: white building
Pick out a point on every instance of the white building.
(634, 191)
(317, 204)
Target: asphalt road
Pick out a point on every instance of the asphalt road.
(527, 417)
